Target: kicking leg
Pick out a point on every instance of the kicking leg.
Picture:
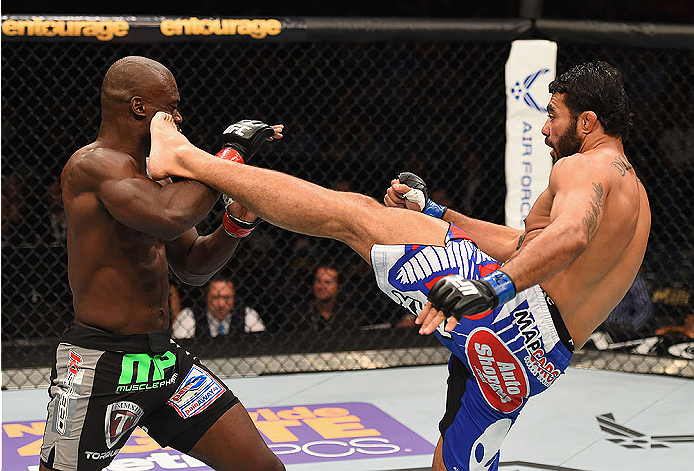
(289, 202)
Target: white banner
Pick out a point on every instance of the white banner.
(531, 66)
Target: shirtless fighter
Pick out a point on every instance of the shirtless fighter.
(511, 328)
(116, 367)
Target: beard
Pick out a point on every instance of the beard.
(568, 143)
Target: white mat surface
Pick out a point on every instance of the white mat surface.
(557, 430)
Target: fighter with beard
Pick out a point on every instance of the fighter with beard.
(517, 301)
(575, 233)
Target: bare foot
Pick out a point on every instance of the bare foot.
(166, 140)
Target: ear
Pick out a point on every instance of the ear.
(137, 106)
(587, 122)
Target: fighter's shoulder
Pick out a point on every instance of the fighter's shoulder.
(93, 163)
(578, 167)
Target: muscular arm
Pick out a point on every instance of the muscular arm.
(195, 258)
(500, 242)
(165, 212)
(579, 189)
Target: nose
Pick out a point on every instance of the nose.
(545, 128)
(178, 118)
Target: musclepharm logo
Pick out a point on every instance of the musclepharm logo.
(519, 90)
(136, 367)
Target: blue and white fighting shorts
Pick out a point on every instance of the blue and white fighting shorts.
(500, 357)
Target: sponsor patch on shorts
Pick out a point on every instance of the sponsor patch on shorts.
(500, 375)
(197, 391)
(121, 418)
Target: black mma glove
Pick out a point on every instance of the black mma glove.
(458, 296)
(241, 140)
(420, 195)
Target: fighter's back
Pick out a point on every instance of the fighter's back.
(118, 275)
(618, 221)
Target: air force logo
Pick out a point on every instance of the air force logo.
(519, 90)
(422, 266)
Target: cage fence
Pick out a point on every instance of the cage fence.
(356, 114)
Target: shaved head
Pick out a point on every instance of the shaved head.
(133, 76)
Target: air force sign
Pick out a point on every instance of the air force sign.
(530, 68)
(522, 90)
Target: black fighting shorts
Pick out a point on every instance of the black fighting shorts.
(103, 385)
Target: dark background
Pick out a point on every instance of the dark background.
(663, 11)
(357, 114)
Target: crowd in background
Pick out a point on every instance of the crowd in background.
(356, 115)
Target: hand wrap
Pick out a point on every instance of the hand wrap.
(420, 195)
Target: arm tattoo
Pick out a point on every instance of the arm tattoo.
(590, 220)
(520, 240)
(621, 164)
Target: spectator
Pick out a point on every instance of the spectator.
(634, 313)
(223, 314)
(686, 328)
(327, 310)
(631, 319)
(182, 319)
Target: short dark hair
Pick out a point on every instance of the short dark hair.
(220, 277)
(596, 86)
(330, 265)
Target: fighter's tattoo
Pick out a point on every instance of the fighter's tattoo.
(590, 220)
(621, 164)
(520, 240)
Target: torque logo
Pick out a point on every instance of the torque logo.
(519, 90)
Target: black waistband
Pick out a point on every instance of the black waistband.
(154, 342)
(563, 332)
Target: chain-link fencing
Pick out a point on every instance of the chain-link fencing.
(357, 113)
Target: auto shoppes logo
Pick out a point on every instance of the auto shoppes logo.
(297, 434)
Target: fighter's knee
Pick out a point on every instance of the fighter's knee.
(270, 463)
(358, 210)
(361, 206)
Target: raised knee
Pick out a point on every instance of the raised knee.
(353, 209)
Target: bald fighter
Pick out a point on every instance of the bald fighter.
(116, 367)
(517, 302)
